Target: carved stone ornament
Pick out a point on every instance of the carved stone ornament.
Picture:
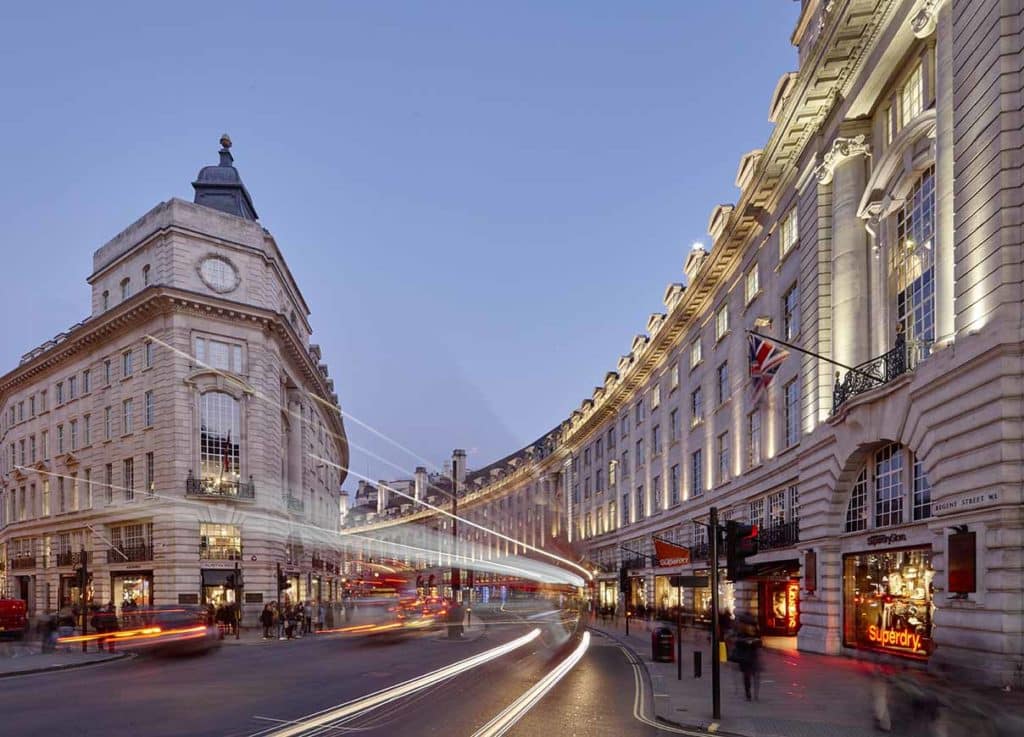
(842, 149)
(923, 22)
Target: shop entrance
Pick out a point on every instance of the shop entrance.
(131, 589)
(215, 586)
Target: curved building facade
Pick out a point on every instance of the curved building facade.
(877, 234)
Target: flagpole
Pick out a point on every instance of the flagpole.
(814, 355)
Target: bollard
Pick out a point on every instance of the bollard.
(696, 663)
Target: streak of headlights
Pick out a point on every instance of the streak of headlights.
(380, 698)
(518, 708)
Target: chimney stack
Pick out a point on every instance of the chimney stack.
(459, 466)
(382, 496)
(420, 489)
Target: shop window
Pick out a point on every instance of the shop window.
(889, 488)
(887, 602)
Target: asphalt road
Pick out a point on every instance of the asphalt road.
(266, 687)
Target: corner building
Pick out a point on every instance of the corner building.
(173, 434)
(877, 228)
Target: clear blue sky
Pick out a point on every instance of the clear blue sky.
(482, 202)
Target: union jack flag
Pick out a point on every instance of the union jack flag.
(765, 360)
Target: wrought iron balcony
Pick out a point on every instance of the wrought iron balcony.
(219, 553)
(23, 562)
(700, 551)
(70, 558)
(779, 536)
(879, 371)
(132, 554)
(296, 505)
(220, 488)
(634, 563)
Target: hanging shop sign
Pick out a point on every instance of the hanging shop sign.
(669, 554)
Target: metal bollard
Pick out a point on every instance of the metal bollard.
(696, 663)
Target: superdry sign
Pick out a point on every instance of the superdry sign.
(670, 554)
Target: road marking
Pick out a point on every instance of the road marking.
(328, 718)
(638, 701)
(515, 711)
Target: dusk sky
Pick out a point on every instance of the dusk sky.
(482, 203)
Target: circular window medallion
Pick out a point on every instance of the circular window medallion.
(218, 274)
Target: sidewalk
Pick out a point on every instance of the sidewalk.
(801, 694)
(23, 658)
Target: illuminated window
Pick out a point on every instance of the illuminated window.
(696, 406)
(754, 438)
(792, 393)
(922, 502)
(912, 265)
(640, 513)
(723, 457)
(723, 382)
(912, 96)
(889, 487)
(697, 472)
(220, 542)
(219, 441)
(673, 485)
(695, 353)
(788, 234)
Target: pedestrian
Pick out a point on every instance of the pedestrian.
(346, 605)
(278, 620)
(289, 619)
(747, 653)
(318, 616)
(267, 620)
(307, 618)
(49, 633)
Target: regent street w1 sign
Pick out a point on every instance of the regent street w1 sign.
(669, 554)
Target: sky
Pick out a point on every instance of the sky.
(482, 203)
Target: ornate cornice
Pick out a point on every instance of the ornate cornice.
(842, 149)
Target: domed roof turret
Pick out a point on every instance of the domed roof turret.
(220, 187)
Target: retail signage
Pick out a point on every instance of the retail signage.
(891, 538)
(904, 639)
(669, 554)
(693, 582)
(967, 501)
(792, 601)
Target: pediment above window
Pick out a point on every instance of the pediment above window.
(206, 380)
(910, 153)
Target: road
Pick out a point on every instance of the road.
(267, 688)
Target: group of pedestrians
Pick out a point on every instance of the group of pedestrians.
(288, 621)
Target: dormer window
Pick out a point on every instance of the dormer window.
(126, 288)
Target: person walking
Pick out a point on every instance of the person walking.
(748, 655)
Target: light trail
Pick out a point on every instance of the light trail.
(326, 719)
(344, 439)
(463, 520)
(518, 708)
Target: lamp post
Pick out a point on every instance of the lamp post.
(456, 573)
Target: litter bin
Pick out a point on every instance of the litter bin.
(663, 645)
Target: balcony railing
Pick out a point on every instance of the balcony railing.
(219, 553)
(634, 563)
(779, 536)
(70, 558)
(878, 371)
(132, 554)
(296, 505)
(23, 562)
(220, 488)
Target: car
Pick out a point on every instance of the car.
(13, 618)
(168, 630)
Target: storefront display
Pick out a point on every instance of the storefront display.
(132, 589)
(702, 597)
(666, 596)
(779, 607)
(887, 602)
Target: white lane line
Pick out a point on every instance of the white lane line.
(638, 701)
(543, 614)
(518, 708)
(324, 719)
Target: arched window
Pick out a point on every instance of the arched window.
(126, 288)
(145, 275)
(912, 266)
(219, 442)
(891, 484)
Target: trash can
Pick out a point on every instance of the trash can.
(663, 645)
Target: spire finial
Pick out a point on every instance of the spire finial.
(225, 141)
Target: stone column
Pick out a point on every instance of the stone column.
(944, 246)
(294, 447)
(851, 302)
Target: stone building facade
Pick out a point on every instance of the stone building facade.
(878, 229)
(185, 428)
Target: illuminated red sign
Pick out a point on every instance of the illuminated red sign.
(792, 600)
(904, 639)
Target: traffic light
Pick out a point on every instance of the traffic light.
(740, 544)
(283, 584)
